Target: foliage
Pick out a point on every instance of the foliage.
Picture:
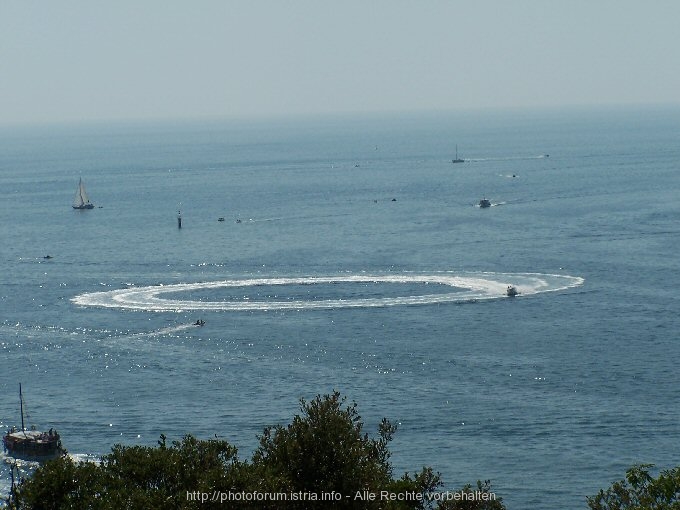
(324, 450)
(130, 477)
(641, 491)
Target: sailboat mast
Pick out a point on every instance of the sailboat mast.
(21, 402)
(13, 486)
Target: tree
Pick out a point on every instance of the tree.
(323, 451)
(641, 491)
(132, 477)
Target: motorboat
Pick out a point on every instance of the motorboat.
(484, 203)
(511, 291)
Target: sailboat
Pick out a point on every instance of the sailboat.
(457, 160)
(31, 444)
(81, 200)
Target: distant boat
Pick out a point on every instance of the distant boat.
(457, 160)
(511, 291)
(31, 444)
(484, 203)
(81, 200)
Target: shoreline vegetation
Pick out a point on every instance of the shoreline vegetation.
(322, 459)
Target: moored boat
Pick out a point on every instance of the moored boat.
(31, 444)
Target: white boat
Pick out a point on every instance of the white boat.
(512, 291)
(457, 160)
(81, 200)
(31, 444)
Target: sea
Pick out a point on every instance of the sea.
(349, 253)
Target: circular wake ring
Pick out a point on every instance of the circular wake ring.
(464, 286)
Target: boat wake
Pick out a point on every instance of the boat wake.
(509, 158)
(165, 331)
(18, 462)
(458, 287)
(491, 204)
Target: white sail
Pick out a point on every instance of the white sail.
(81, 200)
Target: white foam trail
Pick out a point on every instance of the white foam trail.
(465, 287)
(509, 158)
(166, 331)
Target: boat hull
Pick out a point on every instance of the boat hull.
(85, 206)
(33, 445)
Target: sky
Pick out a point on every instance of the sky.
(91, 60)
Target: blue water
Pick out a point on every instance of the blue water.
(551, 395)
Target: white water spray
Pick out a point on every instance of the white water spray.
(464, 287)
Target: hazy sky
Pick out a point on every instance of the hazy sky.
(124, 59)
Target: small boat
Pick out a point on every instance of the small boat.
(484, 203)
(199, 322)
(32, 444)
(457, 160)
(81, 200)
(511, 291)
